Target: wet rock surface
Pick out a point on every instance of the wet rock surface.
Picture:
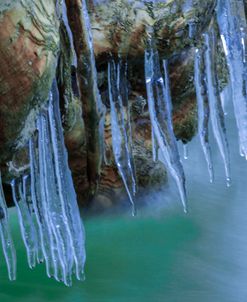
(30, 43)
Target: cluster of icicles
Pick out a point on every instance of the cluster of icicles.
(231, 22)
(49, 218)
(46, 204)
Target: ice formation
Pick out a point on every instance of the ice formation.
(186, 151)
(121, 126)
(215, 106)
(92, 79)
(160, 109)
(45, 200)
(53, 195)
(26, 222)
(203, 109)
(233, 30)
(46, 204)
(6, 238)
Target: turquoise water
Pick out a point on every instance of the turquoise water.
(162, 254)
(128, 260)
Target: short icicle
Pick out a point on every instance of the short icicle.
(121, 127)
(160, 109)
(203, 109)
(186, 151)
(155, 147)
(6, 238)
(216, 111)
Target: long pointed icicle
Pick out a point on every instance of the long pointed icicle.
(43, 227)
(124, 93)
(44, 202)
(51, 201)
(160, 109)
(203, 110)
(233, 29)
(25, 221)
(216, 111)
(6, 238)
(65, 185)
(121, 128)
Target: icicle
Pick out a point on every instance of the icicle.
(186, 7)
(93, 74)
(65, 20)
(56, 218)
(25, 220)
(123, 88)
(121, 128)
(44, 201)
(216, 111)
(202, 110)
(66, 191)
(54, 202)
(6, 238)
(159, 102)
(44, 231)
(102, 134)
(27, 196)
(155, 147)
(186, 153)
(233, 29)
(225, 96)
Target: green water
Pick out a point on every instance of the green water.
(127, 260)
(162, 254)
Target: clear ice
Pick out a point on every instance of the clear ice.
(65, 186)
(6, 238)
(26, 223)
(121, 127)
(160, 109)
(233, 30)
(203, 109)
(60, 229)
(216, 112)
(186, 151)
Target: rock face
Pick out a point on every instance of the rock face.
(32, 40)
(120, 26)
(28, 51)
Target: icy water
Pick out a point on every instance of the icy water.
(162, 254)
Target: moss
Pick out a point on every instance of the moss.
(185, 121)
